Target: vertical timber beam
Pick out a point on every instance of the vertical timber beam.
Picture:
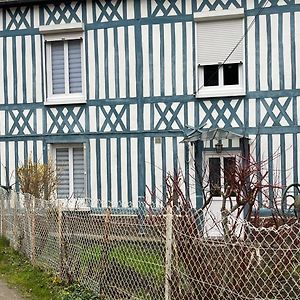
(140, 116)
(198, 173)
(245, 152)
(199, 146)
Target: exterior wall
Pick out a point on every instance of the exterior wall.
(141, 75)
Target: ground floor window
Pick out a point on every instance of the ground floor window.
(221, 170)
(70, 167)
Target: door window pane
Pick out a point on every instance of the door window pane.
(215, 176)
(229, 172)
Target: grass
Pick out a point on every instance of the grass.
(33, 282)
(145, 262)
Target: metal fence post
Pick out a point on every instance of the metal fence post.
(169, 242)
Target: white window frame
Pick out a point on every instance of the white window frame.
(224, 154)
(220, 90)
(52, 151)
(65, 32)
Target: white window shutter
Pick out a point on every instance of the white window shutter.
(78, 172)
(217, 38)
(62, 167)
(58, 69)
(75, 72)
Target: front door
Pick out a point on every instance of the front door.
(219, 173)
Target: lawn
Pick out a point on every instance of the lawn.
(33, 282)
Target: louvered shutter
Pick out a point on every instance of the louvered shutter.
(58, 67)
(75, 72)
(217, 38)
(63, 171)
(78, 172)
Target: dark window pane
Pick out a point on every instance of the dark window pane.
(229, 172)
(231, 74)
(215, 176)
(211, 75)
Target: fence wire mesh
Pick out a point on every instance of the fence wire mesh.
(166, 255)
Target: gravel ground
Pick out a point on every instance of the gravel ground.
(7, 293)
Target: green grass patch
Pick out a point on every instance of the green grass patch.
(143, 261)
(33, 282)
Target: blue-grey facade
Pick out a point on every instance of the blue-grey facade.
(141, 80)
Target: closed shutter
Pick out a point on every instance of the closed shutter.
(75, 72)
(62, 168)
(216, 39)
(78, 172)
(58, 67)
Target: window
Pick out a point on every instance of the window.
(70, 167)
(221, 172)
(64, 63)
(225, 75)
(219, 55)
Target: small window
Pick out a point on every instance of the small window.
(211, 75)
(231, 74)
(70, 167)
(221, 174)
(64, 63)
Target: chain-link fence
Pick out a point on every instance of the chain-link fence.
(164, 255)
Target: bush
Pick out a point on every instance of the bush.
(37, 179)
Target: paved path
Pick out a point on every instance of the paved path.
(7, 293)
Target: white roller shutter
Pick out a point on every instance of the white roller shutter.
(58, 67)
(75, 75)
(63, 171)
(217, 38)
(78, 172)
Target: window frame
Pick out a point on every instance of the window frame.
(222, 156)
(64, 33)
(220, 90)
(70, 148)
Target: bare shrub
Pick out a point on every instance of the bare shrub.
(38, 179)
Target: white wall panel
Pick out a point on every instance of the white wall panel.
(10, 70)
(111, 63)
(275, 52)
(122, 62)
(132, 61)
(287, 51)
(251, 51)
(91, 65)
(263, 53)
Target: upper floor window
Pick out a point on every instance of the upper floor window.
(64, 63)
(220, 53)
(66, 70)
